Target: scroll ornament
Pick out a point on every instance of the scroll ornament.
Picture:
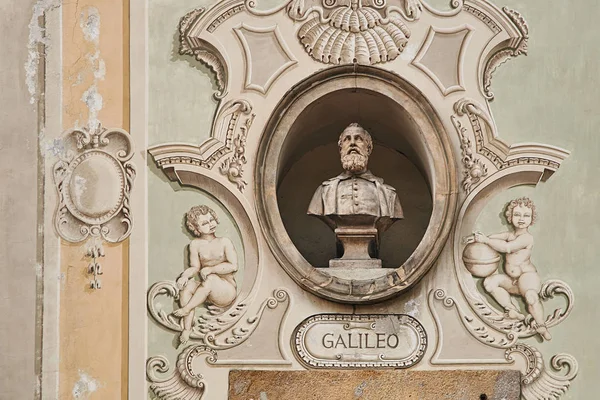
(538, 382)
(94, 179)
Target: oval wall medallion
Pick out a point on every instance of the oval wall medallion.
(94, 178)
(360, 341)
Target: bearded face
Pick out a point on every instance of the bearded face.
(354, 150)
(354, 163)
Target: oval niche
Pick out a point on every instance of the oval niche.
(411, 153)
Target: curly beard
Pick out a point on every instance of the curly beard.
(354, 163)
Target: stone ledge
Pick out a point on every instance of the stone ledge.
(374, 385)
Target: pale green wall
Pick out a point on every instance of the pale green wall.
(180, 103)
(549, 96)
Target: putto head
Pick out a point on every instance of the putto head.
(355, 145)
(521, 212)
(201, 220)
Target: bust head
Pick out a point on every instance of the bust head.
(355, 145)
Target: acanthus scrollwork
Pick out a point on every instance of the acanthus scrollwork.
(217, 328)
(475, 169)
(514, 49)
(202, 51)
(538, 382)
(183, 383)
(233, 167)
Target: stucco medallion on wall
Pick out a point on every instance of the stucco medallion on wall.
(94, 182)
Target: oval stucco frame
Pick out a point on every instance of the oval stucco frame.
(440, 164)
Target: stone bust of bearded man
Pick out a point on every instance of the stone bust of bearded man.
(356, 191)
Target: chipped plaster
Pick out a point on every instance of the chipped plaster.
(411, 307)
(37, 37)
(85, 386)
(89, 22)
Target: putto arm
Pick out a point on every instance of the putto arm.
(194, 263)
(502, 236)
(503, 246)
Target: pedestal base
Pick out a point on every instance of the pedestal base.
(351, 264)
(357, 274)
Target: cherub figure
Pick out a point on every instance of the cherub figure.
(214, 260)
(521, 276)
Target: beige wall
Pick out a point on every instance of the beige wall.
(18, 207)
(93, 323)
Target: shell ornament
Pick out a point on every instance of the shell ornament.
(354, 34)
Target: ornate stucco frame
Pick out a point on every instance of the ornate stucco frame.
(442, 176)
(469, 131)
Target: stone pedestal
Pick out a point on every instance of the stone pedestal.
(358, 240)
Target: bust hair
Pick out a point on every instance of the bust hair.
(523, 202)
(191, 217)
(368, 137)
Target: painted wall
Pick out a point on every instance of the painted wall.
(18, 205)
(548, 96)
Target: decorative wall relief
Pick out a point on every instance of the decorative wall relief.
(448, 45)
(203, 51)
(94, 252)
(230, 312)
(213, 261)
(349, 31)
(501, 154)
(229, 133)
(538, 382)
(233, 167)
(267, 56)
(475, 170)
(512, 49)
(280, 85)
(360, 341)
(521, 278)
(183, 383)
(94, 181)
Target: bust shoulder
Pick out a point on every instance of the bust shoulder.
(388, 187)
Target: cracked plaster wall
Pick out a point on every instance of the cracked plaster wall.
(18, 206)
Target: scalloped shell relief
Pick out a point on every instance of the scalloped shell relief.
(354, 33)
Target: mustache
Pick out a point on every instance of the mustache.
(354, 150)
